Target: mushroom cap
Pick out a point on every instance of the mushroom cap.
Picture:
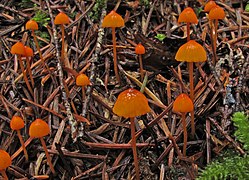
(191, 52)
(183, 104)
(5, 160)
(18, 49)
(131, 103)
(32, 25)
(140, 49)
(113, 19)
(82, 80)
(61, 18)
(216, 13)
(38, 128)
(209, 6)
(188, 16)
(28, 51)
(16, 123)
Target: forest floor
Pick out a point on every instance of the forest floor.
(87, 140)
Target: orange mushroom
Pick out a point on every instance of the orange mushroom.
(82, 80)
(62, 19)
(191, 52)
(140, 50)
(39, 129)
(214, 15)
(29, 53)
(113, 20)
(16, 124)
(209, 6)
(183, 104)
(5, 162)
(131, 103)
(188, 16)
(19, 50)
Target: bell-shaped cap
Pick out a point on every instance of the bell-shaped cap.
(82, 80)
(28, 51)
(140, 49)
(191, 52)
(16, 123)
(38, 129)
(188, 16)
(209, 6)
(216, 13)
(61, 18)
(183, 104)
(31, 25)
(131, 103)
(113, 19)
(18, 49)
(5, 160)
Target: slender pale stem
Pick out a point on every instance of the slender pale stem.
(141, 67)
(83, 93)
(115, 62)
(215, 34)
(185, 135)
(22, 143)
(62, 44)
(4, 175)
(29, 71)
(191, 83)
(25, 76)
(134, 147)
(47, 155)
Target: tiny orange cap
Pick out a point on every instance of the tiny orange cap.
(113, 19)
(32, 25)
(28, 51)
(140, 49)
(61, 18)
(18, 49)
(82, 80)
(209, 6)
(38, 128)
(16, 123)
(216, 13)
(5, 160)
(191, 52)
(188, 16)
(183, 104)
(131, 103)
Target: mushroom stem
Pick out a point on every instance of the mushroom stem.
(185, 135)
(191, 83)
(62, 43)
(47, 155)
(115, 63)
(29, 71)
(83, 93)
(41, 57)
(215, 34)
(188, 31)
(141, 67)
(134, 148)
(25, 76)
(4, 175)
(22, 143)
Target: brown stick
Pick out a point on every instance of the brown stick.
(47, 155)
(134, 148)
(29, 71)
(22, 143)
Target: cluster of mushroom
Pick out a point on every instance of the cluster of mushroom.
(38, 129)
